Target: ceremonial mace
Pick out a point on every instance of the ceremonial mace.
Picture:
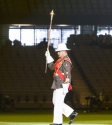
(51, 13)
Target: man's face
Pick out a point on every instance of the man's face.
(61, 54)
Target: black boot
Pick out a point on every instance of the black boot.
(72, 117)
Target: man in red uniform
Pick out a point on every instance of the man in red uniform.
(61, 83)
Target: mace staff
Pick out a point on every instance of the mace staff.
(52, 14)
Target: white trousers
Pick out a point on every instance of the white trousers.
(60, 107)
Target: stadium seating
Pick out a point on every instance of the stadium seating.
(23, 77)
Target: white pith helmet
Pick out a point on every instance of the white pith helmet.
(61, 47)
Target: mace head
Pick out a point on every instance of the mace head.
(52, 13)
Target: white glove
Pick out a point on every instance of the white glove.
(65, 88)
(49, 59)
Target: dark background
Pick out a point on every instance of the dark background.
(79, 12)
